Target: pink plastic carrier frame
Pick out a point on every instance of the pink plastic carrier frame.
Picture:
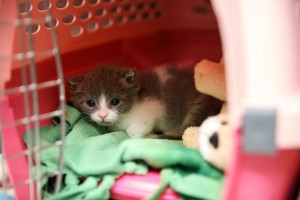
(260, 41)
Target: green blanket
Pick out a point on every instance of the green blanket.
(93, 154)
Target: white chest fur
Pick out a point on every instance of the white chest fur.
(142, 118)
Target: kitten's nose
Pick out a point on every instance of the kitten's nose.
(102, 114)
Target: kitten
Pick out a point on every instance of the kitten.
(160, 99)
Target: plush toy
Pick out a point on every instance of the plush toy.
(210, 79)
(213, 137)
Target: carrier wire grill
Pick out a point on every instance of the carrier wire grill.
(29, 91)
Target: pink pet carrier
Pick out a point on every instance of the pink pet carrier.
(45, 41)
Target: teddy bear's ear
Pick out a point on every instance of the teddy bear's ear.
(73, 82)
(190, 137)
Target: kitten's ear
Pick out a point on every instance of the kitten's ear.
(129, 75)
(73, 82)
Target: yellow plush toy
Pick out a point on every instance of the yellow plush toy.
(213, 137)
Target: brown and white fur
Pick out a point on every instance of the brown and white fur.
(158, 100)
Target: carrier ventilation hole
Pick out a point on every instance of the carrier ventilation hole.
(51, 24)
(93, 2)
(153, 5)
(114, 10)
(85, 15)
(127, 7)
(120, 20)
(61, 4)
(99, 12)
(146, 15)
(158, 14)
(106, 23)
(207, 2)
(24, 7)
(68, 19)
(43, 5)
(107, 1)
(140, 6)
(76, 31)
(78, 3)
(32, 28)
(201, 10)
(133, 17)
(91, 27)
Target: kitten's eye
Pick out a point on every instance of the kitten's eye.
(91, 103)
(115, 102)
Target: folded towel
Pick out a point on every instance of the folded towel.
(92, 154)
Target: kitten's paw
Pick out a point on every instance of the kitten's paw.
(136, 130)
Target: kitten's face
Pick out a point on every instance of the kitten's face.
(105, 94)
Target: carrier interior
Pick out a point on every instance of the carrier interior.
(158, 36)
(139, 34)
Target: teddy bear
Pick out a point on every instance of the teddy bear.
(212, 137)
